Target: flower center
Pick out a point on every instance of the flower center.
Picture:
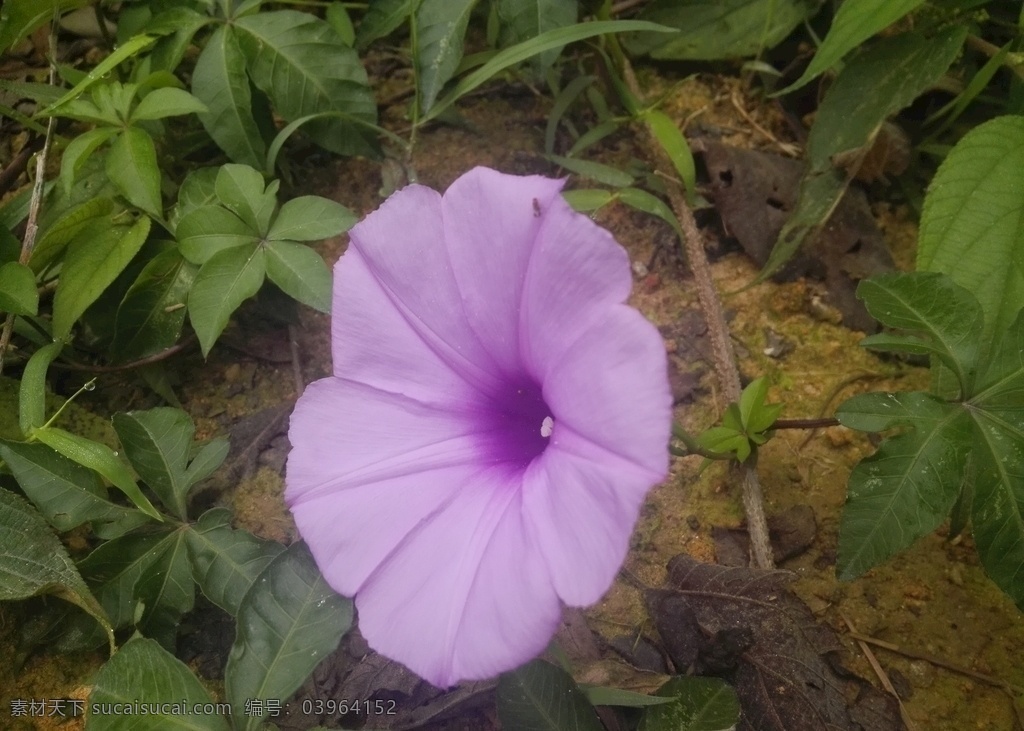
(518, 424)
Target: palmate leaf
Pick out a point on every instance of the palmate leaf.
(288, 621)
(223, 283)
(243, 191)
(967, 453)
(157, 443)
(300, 273)
(304, 67)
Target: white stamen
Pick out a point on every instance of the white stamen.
(547, 426)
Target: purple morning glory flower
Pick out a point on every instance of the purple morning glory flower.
(495, 418)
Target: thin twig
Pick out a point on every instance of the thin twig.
(293, 342)
(148, 360)
(804, 423)
(32, 226)
(883, 677)
(718, 333)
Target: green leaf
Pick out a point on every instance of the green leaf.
(220, 82)
(300, 273)
(78, 151)
(167, 590)
(142, 672)
(970, 225)
(382, 17)
(157, 443)
(440, 27)
(648, 203)
(541, 697)
(288, 621)
(906, 488)
(32, 393)
(122, 53)
(66, 493)
(18, 294)
(590, 199)
(873, 86)
(151, 315)
(855, 22)
(19, 18)
(521, 51)
(226, 561)
(948, 315)
(723, 29)
(94, 259)
(596, 171)
(53, 238)
(206, 461)
(243, 191)
(131, 165)
(302, 65)
(33, 561)
(676, 147)
(311, 218)
(197, 190)
(752, 400)
(226, 280)
(167, 102)
(522, 20)
(97, 457)
(116, 568)
(562, 102)
(206, 231)
(339, 19)
(698, 704)
(602, 696)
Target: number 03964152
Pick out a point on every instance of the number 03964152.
(333, 707)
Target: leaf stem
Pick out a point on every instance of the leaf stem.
(804, 423)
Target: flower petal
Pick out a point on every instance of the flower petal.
(491, 223)
(612, 419)
(577, 271)
(467, 595)
(365, 468)
(402, 244)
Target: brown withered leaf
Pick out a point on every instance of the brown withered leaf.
(755, 192)
(745, 626)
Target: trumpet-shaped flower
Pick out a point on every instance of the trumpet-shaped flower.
(495, 418)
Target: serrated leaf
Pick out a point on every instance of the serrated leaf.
(206, 231)
(970, 224)
(226, 280)
(522, 20)
(855, 22)
(33, 561)
(873, 86)
(151, 315)
(596, 171)
(32, 392)
(226, 561)
(300, 273)
(98, 457)
(18, 294)
(948, 316)
(718, 30)
(157, 443)
(302, 65)
(66, 493)
(441, 26)
(78, 151)
(311, 218)
(382, 17)
(93, 261)
(541, 697)
(132, 166)
(906, 488)
(697, 704)
(288, 621)
(243, 191)
(167, 102)
(220, 82)
(144, 673)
